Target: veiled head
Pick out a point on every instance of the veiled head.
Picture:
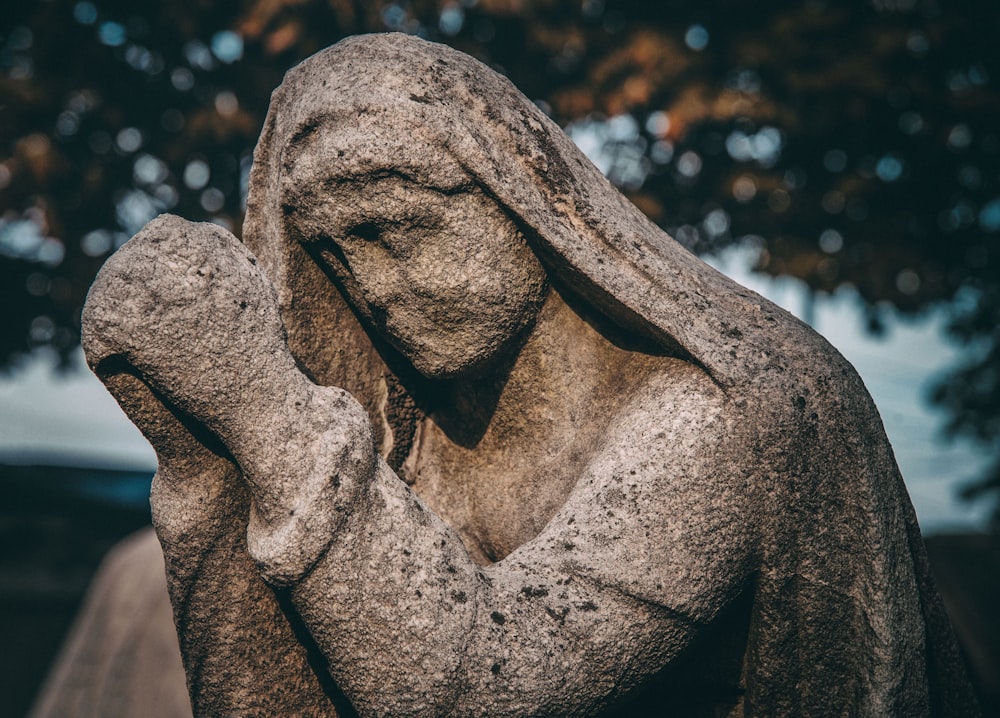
(389, 147)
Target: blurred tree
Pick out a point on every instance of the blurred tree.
(854, 143)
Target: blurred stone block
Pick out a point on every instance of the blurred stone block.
(121, 658)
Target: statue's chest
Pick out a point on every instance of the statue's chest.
(495, 498)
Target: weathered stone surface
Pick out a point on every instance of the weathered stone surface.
(460, 432)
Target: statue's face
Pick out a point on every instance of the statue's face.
(444, 274)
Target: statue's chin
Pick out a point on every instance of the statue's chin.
(449, 367)
(460, 350)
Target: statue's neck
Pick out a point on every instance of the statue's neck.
(501, 453)
(565, 369)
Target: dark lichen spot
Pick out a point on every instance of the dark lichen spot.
(588, 606)
(459, 596)
(498, 618)
(534, 591)
(560, 615)
(495, 669)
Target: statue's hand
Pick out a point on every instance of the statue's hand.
(184, 306)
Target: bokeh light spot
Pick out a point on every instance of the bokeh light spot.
(85, 13)
(744, 189)
(716, 223)
(835, 161)
(212, 200)
(111, 34)
(658, 124)
(779, 201)
(696, 37)
(149, 170)
(68, 123)
(989, 216)
(661, 152)
(451, 19)
(227, 46)
(182, 79)
(196, 174)
(198, 55)
(51, 252)
(960, 137)
(911, 123)
(128, 140)
(97, 243)
(37, 284)
(889, 168)
(226, 103)
(689, 164)
(831, 241)
(42, 330)
(917, 43)
(908, 282)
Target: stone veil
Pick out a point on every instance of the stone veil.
(724, 531)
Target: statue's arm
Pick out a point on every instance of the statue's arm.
(614, 588)
(224, 612)
(146, 328)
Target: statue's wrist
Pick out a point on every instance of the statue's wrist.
(299, 508)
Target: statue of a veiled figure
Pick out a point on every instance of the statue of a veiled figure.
(459, 431)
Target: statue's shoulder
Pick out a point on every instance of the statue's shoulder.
(677, 407)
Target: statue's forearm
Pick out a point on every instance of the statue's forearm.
(412, 626)
(223, 610)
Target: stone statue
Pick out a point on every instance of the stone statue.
(459, 431)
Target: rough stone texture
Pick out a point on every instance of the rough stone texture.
(466, 434)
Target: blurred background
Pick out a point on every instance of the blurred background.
(842, 158)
